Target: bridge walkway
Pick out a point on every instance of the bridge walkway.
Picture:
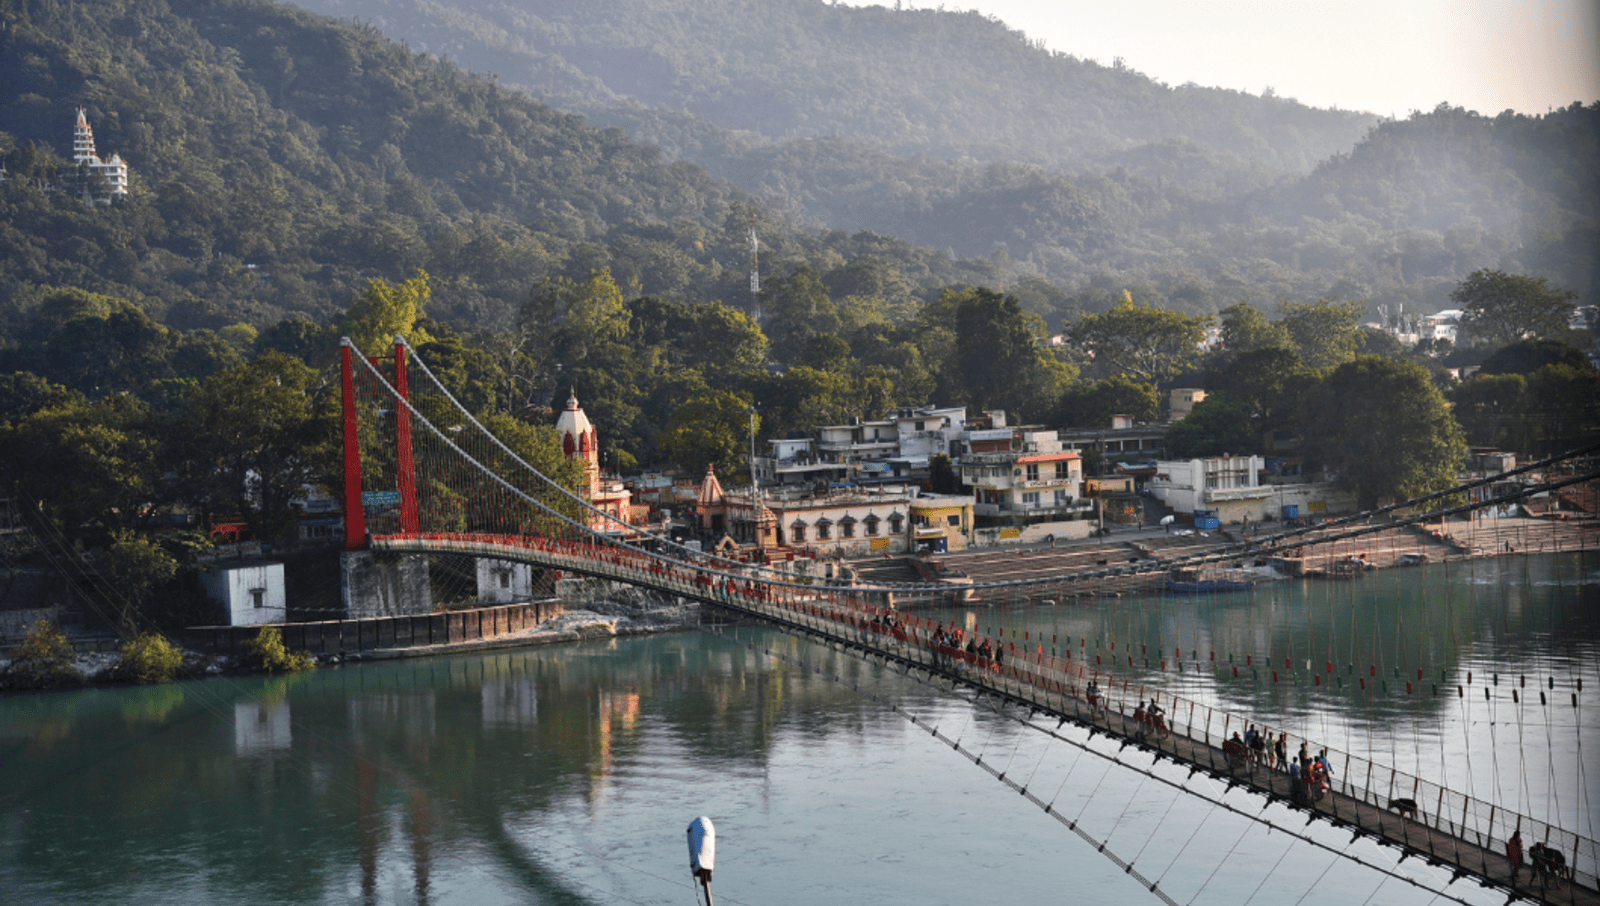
(1447, 829)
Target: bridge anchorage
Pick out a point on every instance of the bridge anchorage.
(439, 483)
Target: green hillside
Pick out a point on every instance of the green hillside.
(279, 159)
(951, 85)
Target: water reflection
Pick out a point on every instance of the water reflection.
(566, 774)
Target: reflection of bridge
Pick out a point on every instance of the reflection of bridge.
(463, 492)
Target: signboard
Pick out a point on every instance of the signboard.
(1317, 506)
(880, 544)
(380, 498)
(1011, 533)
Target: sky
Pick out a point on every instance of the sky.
(1388, 57)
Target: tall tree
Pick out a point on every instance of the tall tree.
(252, 438)
(91, 466)
(998, 352)
(1145, 342)
(1091, 404)
(1245, 328)
(384, 311)
(1498, 308)
(710, 429)
(1326, 332)
(1383, 429)
(1219, 424)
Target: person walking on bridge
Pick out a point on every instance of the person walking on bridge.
(1514, 855)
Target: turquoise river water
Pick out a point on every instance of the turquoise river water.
(567, 774)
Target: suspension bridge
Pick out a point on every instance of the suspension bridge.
(449, 487)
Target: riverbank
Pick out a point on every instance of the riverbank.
(633, 615)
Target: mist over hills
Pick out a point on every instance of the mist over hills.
(280, 158)
(951, 130)
(950, 85)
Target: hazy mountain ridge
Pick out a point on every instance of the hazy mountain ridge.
(951, 85)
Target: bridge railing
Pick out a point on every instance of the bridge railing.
(1404, 807)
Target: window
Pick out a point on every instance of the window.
(505, 579)
(258, 598)
(797, 532)
(1062, 497)
(1033, 471)
(897, 523)
(824, 531)
(872, 524)
(847, 527)
(1030, 498)
(953, 519)
(920, 425)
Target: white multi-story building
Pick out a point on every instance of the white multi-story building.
(1032, 479)
(107, 179)
(1441, 325)
(894, 448)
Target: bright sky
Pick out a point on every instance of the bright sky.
(1382, 56)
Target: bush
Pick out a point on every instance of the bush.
(268, 652)
(44, 658)
(149, 659)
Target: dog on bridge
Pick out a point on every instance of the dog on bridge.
(1406, 807)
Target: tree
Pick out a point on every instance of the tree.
(1490, 409)
(384, 310)
(1326, 332)
(1268, 381)
(1093, 404)
(1528, 356)
(253, 437)
(1145, 342)
(1245, 328)
(1565, 407)
(138, 566)
(1383, 429)
(796, 308)
(998, 353)
(1498, 309)
(1218, 424)
(942, 477)
(711, 429)
(87, 463)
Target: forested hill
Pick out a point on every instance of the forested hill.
(280, 158)
(951, 85)
(950, 130)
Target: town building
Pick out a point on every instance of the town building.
(1182, 401)
(893, 450)
(1031, 479)
(100, 180)
(941, 523)
(580, 441)
(841, 522)
(1242, 489)
(1123, 439)
(1441, 325)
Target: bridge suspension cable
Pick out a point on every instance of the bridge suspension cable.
(1329, 533)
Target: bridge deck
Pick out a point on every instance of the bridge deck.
(1448, 829)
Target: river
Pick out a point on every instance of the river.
(567, 774)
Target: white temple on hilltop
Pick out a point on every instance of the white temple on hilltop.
(107, 178)
(579, 440)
